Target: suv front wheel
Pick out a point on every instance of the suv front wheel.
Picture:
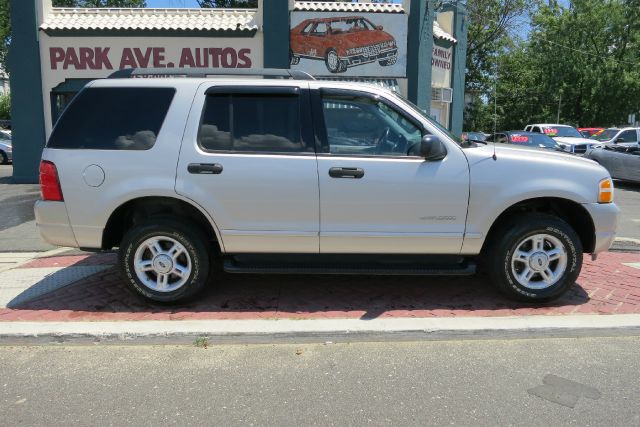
(537, 258)
(164, 260)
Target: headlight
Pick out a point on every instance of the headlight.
(605, 191)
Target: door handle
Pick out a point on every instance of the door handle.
(205, 168)
(355, 173)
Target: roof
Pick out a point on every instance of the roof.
(323, 6)
(236, 20)
(441, 34)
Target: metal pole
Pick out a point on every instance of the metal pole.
(559, 106)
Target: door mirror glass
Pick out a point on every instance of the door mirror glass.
(432, 149)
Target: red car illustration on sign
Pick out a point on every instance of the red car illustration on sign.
(342, 42)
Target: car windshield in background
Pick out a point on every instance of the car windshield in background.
(5, 137)
(533, 140)
(606, 135)
(562, 131)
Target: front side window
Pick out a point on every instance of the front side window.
(365, 126)
(111, 118)
(320, 30)
(628, 136)
(251, 123)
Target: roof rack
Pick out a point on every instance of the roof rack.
(204, 72)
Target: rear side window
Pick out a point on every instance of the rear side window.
(252, 123)
(113, 119)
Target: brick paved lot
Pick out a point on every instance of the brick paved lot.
(606, 286)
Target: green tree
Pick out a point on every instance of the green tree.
(5, 32)
(5, 107)
(493, 26)
(580, 63)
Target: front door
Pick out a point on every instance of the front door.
(376, 194)
(248, 158)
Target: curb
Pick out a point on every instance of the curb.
(323, 330)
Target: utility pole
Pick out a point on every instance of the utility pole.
(559, 106)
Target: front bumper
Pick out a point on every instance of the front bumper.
(605, 221)
(53, 223)
(365, 58)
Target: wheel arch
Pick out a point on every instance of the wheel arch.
(142, 208)
(573, 213)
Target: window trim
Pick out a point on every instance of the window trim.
(320, 128)
(306, 131)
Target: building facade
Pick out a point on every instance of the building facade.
(383, 44)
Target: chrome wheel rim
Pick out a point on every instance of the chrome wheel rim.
(162, 264)
(333, 60)
(539, 261)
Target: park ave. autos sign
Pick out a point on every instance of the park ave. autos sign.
(106, 58)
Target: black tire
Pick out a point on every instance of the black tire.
(187, 235)
(331, 66)
(389, 61)
(3, 158)
(293, 59)
(500, 265)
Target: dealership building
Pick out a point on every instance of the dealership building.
(417, 48)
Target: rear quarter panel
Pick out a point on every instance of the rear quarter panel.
(129, 174)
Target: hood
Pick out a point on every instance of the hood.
(532, 155)
(574, 141)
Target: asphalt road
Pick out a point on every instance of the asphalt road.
(586, 381)
(18, 231)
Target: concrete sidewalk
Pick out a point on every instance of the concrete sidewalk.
(81, 296)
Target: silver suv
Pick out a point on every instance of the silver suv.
(293, 175)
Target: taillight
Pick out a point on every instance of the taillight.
(49, 183)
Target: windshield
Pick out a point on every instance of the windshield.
(562, 131)
(606, 135)
(420, 111)
(533, 140)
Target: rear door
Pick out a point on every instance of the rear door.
(248, 158)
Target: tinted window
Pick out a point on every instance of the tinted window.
(251, 123)
(113, 119)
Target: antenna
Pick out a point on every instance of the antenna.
(495, 110)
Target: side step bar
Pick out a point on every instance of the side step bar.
(378, 269)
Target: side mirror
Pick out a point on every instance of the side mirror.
(380, 27)
(432, 149)
(619, 140)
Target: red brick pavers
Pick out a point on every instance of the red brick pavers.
(604, 287)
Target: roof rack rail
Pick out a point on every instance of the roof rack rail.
(204, 72)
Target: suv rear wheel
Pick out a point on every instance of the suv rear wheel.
(164, 260)
(537, 258)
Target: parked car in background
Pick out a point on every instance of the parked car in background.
(589, 132)
(525, 139)
(626, 136)
(567, 136)
(342, 42)
(621, 161)
(6, 152)
(6, 149)
(474, 136)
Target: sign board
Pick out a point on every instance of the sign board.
(349, 44)
(441, 63)
(87, 58)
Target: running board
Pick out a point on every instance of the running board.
(377, 269)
